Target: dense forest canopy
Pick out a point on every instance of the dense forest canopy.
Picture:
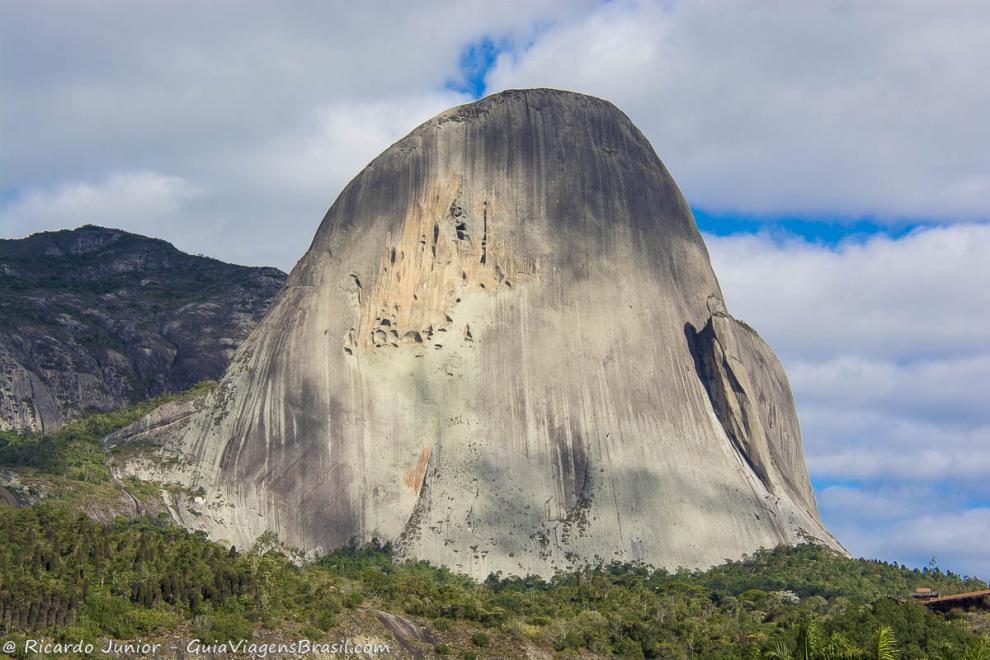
(66, 575)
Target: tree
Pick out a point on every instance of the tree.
(884, 645)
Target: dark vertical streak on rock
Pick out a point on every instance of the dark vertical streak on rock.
(484, 233)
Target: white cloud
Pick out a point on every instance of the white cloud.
(828, 108)
(886, 450)
(921, 295)
(338, 140)
(955, 539)
(138, 201)
(882, 505)
(942, 390)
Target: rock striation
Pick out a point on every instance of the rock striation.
(505, 350)
(94, 319)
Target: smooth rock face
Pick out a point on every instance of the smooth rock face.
(505, 350)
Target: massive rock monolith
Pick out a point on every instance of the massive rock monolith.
(505, 350)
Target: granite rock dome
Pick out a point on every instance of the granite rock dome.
(505, 350)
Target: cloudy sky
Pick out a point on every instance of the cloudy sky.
(836, 154)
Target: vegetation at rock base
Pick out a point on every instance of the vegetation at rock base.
(70, 577)
(71, 466)
(75, 449)
(63, 572)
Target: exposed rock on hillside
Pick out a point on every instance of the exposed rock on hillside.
(505, 350)
(94, 319)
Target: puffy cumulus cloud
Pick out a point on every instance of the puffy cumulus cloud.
(291, 178)
(98, 81)
(937, 390)
(952, 538)
(822, 108)
(883, 505)
(887, 345)
(149, 203)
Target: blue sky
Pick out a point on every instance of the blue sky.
(474, 63)
(836, 156)
(828, 231)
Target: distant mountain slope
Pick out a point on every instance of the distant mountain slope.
(93, 319)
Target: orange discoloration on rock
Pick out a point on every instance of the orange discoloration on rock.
(448, 247)
(414, 478)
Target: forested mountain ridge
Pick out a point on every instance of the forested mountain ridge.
(94, 319)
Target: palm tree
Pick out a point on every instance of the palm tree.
(978, 650)
(813, 644)
(884, 645)
(837, 647)
(778, 652)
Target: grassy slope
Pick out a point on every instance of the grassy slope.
(71, 467)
